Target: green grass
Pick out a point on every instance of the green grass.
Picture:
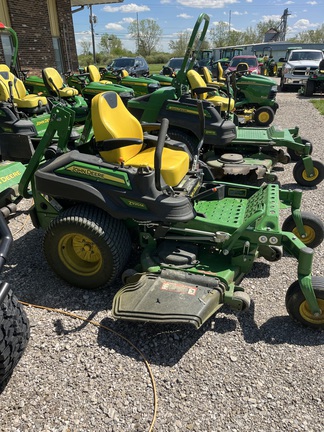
(319, 105)
(155, 68)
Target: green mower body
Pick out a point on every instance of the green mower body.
(196, 241)
(140, 85)
(227, 149)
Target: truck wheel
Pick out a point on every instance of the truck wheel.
(264, 116)
(179, 135)
(298, 308)
(309, 88)
(313, 226)
(14, 335)
(283, 87)
(303, 179)
(87, 247)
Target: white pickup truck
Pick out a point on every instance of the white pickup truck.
(298, 64)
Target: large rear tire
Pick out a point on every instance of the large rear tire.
(14, 336)
(87, 247)
(179, 135)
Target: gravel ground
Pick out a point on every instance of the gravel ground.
(257, 371)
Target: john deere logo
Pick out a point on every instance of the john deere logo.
(5, 179)
(101, 174)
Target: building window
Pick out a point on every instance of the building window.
(7, 48)
(58, 54)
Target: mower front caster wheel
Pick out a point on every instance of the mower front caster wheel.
(313, 226)
(244, 298)
(295, 156)
(86, 247)
(303, 179)
(298, 308)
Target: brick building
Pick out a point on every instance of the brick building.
(45, 34)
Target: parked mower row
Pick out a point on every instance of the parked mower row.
(152, 186)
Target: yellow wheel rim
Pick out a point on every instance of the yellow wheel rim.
(308, 316)
(80, 254)
(309, 234)
(263, 117)
(314, 177)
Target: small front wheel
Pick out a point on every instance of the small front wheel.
(298, 308)
(303, 179)
(295, 156)
(264, 116)
(313, 226)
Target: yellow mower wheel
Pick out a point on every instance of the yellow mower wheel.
(298, 308)
(86, 246)
(313, 226)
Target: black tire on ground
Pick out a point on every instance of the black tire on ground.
(295, 156)
(14, 336)
(283, 87)
(86, 247)
(264, 116)
(298, 308)
(313, 226)
(302, 178)
(309, 88)
(179, 135)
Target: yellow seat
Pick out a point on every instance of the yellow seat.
(197, 82)
(242, 67)
(220, 72)
(207, 77)
(24, 101)
(95, 76)
(55, 84)
(111, 120)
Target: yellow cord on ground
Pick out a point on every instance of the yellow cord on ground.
(97, 324)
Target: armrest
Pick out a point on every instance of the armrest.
(114, 143)
(149, 127)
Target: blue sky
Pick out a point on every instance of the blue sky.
(175, 16)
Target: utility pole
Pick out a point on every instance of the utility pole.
(93, 20)
(229, 24)
(138, 35)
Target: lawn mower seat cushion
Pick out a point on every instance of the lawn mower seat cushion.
(21, 98)
(220, 72)
(242, 67)
(55, 82)
(112, 120)
(208, 78)
(95, 75)
(196, 81)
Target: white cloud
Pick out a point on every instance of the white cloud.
(128, 20)
(184, 16)
(204, 4)
(304, 24)
(271, 17)
(114, 26)
(249, 1)
(239, 13)
(127, 8)
(312, 3)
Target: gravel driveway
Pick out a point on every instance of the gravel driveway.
(257, 371)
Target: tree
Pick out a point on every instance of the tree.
(85, 45)
(146, 33)
(111, 44)
(263, 26)
(310, 36)
(178, 47)
(219, 34)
